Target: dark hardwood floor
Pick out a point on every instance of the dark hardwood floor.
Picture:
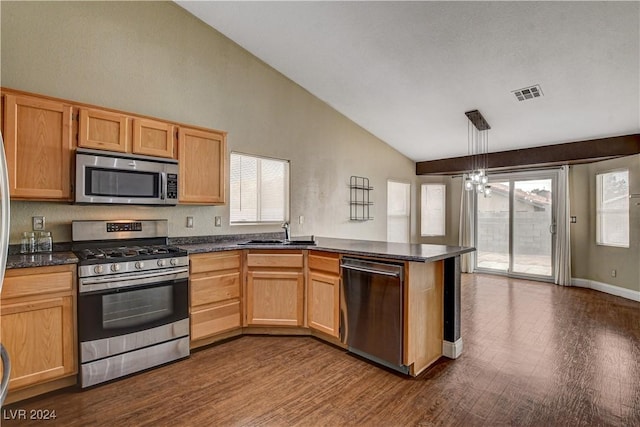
(535, 354)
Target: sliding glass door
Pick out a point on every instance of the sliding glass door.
(515, 226)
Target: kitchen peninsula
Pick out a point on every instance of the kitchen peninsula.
(432, 275)
(237, 289)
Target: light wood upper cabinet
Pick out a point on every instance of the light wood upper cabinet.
(153, 138)
(202, 162)
(323, 299)
(39, 146)
(103, 130)
(39, 328)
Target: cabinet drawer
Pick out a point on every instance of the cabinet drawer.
(275, 260)
(326, 262)
(215, 320)
(209, 289)
(37, 281)
(207, 262)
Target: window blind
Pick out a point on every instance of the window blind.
(259, 190)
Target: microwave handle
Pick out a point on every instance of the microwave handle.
(163, 185)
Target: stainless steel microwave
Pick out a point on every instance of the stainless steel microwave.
(115, 178)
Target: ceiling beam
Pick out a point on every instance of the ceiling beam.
(548, 155)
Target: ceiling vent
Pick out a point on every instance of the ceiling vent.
(528, 93)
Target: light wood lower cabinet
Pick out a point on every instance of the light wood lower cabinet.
(323, 293)
(275, 288)
(214, 285)
(424, 316)
(39, 328)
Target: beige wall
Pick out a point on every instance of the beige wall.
(154, 58)
(595, 262)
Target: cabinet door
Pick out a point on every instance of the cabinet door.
(38, 336)
(202, 159)
(153, 138)
(275, 298)
(103, 130)
(323, 307)
(38, 143)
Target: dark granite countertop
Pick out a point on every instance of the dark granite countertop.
(396, 251)
(41, 260)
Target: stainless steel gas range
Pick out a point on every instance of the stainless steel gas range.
(133, 298)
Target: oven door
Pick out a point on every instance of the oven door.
(126, 310)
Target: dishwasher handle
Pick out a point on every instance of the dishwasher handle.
(371, 271)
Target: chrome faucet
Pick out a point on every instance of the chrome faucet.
(287, 235)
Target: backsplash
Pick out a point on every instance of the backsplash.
(58, 217)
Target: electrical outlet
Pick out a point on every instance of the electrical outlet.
(613, 273)
(37, 222)
(189, 222)
(218, 221)
(574, 219)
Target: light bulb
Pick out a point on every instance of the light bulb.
(487, 191)
(468, 185)
(479, 188)
(484, 179)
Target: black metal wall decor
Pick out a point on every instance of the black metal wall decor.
(360, 199)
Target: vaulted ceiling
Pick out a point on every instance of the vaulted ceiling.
(408, 71)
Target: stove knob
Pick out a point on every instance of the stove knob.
(139, 265)
(160, 263)
(115, 267)
(98, 269)
(174, 261)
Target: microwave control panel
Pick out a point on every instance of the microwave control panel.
(172, 186)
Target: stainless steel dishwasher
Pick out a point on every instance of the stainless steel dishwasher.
(371, 311)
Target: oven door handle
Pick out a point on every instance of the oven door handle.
(132, 279)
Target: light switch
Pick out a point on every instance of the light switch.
(189, 222)
(218, 221)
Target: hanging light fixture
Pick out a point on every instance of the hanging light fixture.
(478, 147)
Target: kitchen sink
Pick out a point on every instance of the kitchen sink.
(263, 242)
(278, 242)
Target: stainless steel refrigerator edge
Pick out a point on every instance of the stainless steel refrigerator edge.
(4, 247)
(371, 310)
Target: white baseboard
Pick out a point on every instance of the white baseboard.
(452, 350)
(606, 288)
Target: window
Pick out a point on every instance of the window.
(398, 212)
(432, 205)
(612, 208)
(259, 189)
